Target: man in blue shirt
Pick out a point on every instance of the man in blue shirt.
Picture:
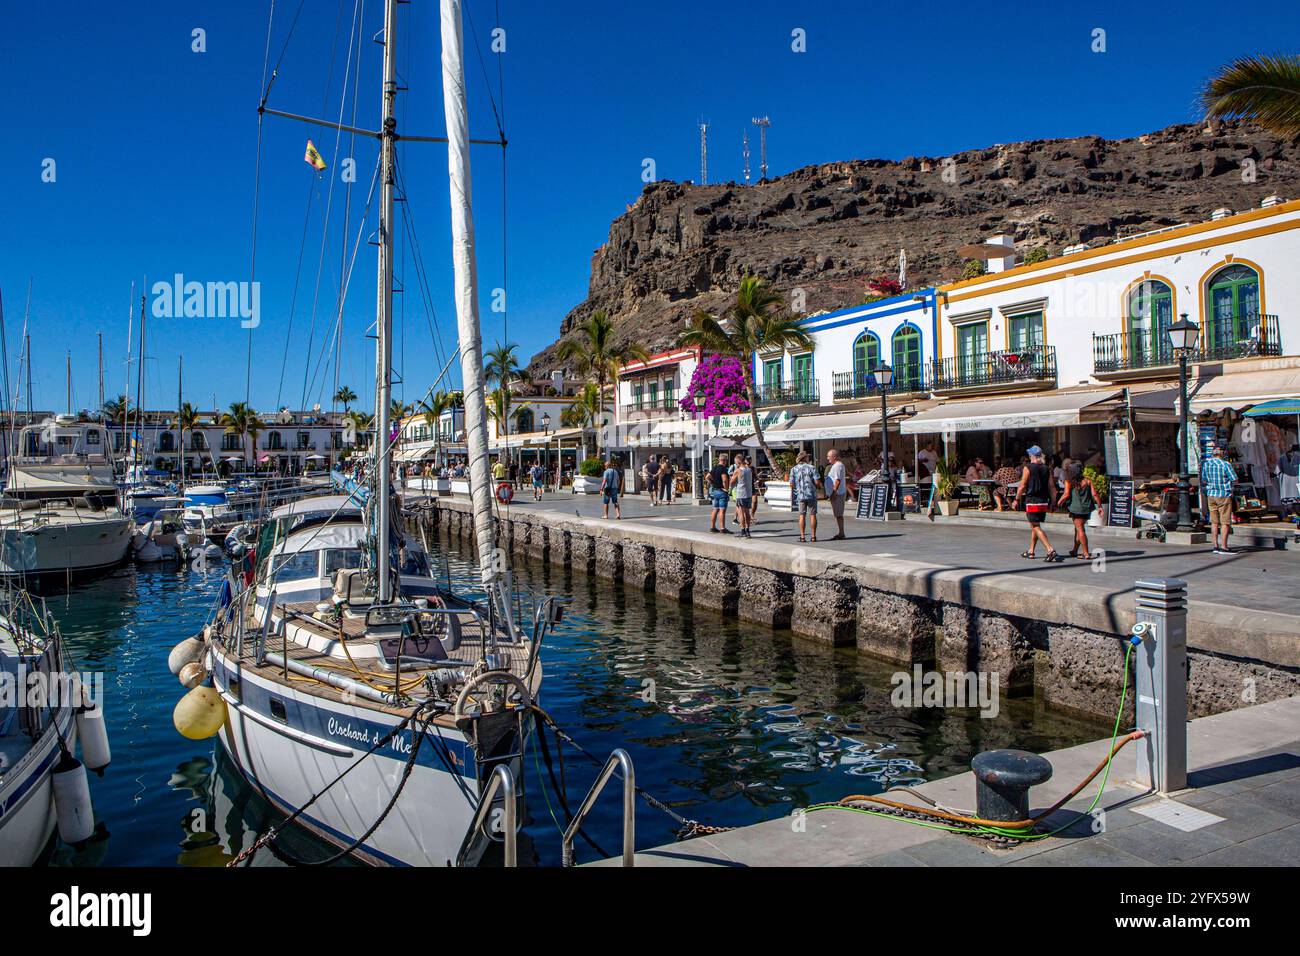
(1218, 479)
(610, 483)
(803, 487)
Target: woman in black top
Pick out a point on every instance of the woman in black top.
(1036, 489)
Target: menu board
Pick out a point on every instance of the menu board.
(910, 495)
(1120, 511)
(872, 501)
(1119, 457)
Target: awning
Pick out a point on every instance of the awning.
(1155, 405)
(833, 426)
(1242, 389)
(1279, 406)
(995, 414)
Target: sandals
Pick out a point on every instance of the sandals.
(1052, 556)
(1028, 554)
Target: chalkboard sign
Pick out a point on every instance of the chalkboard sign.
(1120, 512)
(910, 495)
(872, 501)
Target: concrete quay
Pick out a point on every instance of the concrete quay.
(960, 596)
(1244, 772)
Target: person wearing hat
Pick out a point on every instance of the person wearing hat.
(1218, 478)
(1035, 489)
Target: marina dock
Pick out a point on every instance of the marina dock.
(1242, 808)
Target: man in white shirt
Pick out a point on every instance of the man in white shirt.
(927, 459)
(837, 490)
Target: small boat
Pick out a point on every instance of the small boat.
(42, 783)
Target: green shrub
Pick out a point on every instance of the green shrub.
(782, 462)
(591, 467)
(949, 482)
(973, 269)
(1037, 254)
(1099, 482)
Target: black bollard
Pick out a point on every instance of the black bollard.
(1003, 779)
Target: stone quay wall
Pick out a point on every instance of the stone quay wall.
(1064, 645)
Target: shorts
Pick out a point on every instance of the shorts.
(537, 483)
(1035, 511)
(837, 505)
(807, 506)
(609, 497)
(719, 499)
(744, 503)
(1220, 510)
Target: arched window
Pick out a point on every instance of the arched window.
(165, 442)
(1232, 301)
(274, 441)
(1150, 312)
(524, 420)
(907, 358)
(866, 357)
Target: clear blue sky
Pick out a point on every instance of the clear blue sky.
(155, 147)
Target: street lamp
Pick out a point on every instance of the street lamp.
(546, 441)
(885, 377)
(1183, 336)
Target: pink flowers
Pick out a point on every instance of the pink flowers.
(717, 388)
(884, 286)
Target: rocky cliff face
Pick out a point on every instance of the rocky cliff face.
(827, 229)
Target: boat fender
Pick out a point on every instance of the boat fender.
(187, 650)
(192, 674)
(72, 807)
(92, 731)
(505, 492)
(200, 714)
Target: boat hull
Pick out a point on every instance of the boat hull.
(77, 548)
(27, 815)
(295, 752)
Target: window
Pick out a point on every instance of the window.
(232, 442)
(805, 386)
(1025, 331)
(166, 442)
(524, 420)
(866, 356)
(1233, 303)
(636, 395)
(1149, 313)
(337, 558)
(304, 440)
(274, 441)
(92, 437)
(336, 439)
(198, 441)
(972, 346)
(772, 375)
(907, 358)
(299, 567)
(654, 394)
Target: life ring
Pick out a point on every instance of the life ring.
(505, 492)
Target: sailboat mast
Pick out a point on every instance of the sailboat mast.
(384, 323)
(100, 337)
(456, 108)
(126, 398)
(137, 445)
(69, 381)
(180, 427)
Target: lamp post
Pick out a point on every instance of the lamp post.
(546, 442)
(885, 378)
(1183, 336)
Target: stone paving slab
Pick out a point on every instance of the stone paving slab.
(1244, 766)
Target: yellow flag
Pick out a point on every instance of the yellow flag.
(313, 156)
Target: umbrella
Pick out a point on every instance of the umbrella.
(1277, 406)
(315, 457)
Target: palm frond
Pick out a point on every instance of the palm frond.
(1264, 88)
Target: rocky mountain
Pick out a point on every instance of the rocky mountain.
(828, 229)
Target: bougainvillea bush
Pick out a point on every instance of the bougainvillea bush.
(884, 286)
(717, 388)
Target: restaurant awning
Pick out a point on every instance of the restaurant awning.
(1038, 411)
(832, 426)
(1242, 389)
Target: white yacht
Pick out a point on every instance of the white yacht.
(59, 518)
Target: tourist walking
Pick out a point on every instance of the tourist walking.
(742, 481)
(803, 485)
(610, 484)
(837, 490)
(1080, 499)
(650, 478)
(718, 484)
(538, 474)
(1035, 489)
(1218, 479)
(665, 480)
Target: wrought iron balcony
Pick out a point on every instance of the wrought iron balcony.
(1250, 335)
(851, 385)
(798, 392)
(1028, 366)
(656, 407)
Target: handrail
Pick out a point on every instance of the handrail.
(619, 758)
(501, 779)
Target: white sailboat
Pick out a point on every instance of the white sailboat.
(357, 694)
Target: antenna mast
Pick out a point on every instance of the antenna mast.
(704, 152)
(762, 122)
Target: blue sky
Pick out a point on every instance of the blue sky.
(154, 148)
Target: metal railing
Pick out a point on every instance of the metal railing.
(802, 391)
(1246, 336)
(848, 385)
(500, 779)
(660, 403)
(617, 759)
(1037, 363)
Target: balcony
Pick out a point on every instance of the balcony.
(800, 392)
(1123, 353)
(1033, 367)
(848, 386)
(658, 407)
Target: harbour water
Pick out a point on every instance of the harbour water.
(726, 722)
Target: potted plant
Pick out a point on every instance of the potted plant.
(946, 487)
(587, 481)
(1101, 487)
(776, 490)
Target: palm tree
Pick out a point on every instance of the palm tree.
(187, 419)
(117, 410)
(242, 420)
(503, 369)
(1265, 89)
(345, 397)
(361, 423)
(501, 410)
(433, 409)
(584, 411)
(595, 356)
(756, 322)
